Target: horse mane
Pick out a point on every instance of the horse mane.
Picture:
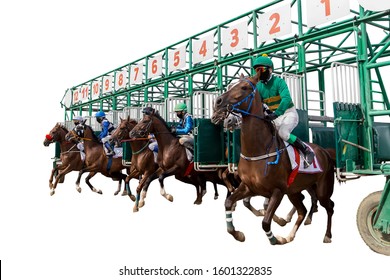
(60, 125)
(157, 115)
(94, 137)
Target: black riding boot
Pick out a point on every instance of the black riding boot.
(308, 155)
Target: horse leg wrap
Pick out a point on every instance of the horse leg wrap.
(271, 237)
(229, 221)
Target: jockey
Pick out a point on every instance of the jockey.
(276, 95)
(184, 128)
(77, 120)
(153, 146)
(105, 135)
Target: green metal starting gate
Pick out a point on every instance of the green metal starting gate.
(333, 58)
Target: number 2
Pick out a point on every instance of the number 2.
(275, 28)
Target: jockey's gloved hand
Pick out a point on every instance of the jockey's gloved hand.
(271, 117)
(173, 129)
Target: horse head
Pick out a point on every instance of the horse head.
(123, 129)
(233, 121)
(237, 99)
(145, 126)
(55, 135)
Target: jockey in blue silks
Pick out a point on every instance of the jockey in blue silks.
(105, 135)
(185, 126)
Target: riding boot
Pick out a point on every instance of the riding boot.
(190, 147)
(308, 155)
(109, 150)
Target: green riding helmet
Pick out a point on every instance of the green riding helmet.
(180, 107)
(263, 60)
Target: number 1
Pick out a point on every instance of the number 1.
(327, 7)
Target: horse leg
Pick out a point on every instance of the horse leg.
(118, 188)
(90, 175)
(297, 200)
(60, 175)
(241, 192)
(200, 185)
(161, 178)
(314, 206)
(143, 186)
(54, 170)
(261, 212)
(324, 192)
(274, 203)
(127, 190)
(216, 194)
(78, 180)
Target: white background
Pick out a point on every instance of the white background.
(49, 46)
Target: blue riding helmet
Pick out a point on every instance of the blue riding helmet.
(100, 114)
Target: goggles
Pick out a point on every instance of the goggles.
(261, 69)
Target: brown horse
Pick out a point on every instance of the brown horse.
(260, 145)
(96, 161)
(232, 122)
(172, 158)
(69, 156)
(142, 159)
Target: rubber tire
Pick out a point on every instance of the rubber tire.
(376, 241)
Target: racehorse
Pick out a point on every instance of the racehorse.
(261, 145)
(95, 159)
(172, 158)
(232, 122)
(142, 159)
(70, 155)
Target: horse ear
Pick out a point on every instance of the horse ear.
(84, 121)
(242, 76)
(128, 118)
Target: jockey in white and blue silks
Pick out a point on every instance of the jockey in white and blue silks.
(105, 134)
(185, 126)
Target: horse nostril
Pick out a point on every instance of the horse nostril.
(218, 101)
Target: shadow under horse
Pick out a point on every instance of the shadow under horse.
(172, 157)
(96, 160)
(261, 144)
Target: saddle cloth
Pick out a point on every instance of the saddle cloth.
(297, 163)
(118, 152)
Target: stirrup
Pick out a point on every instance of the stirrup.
(308, 159)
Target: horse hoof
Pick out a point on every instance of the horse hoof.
(239, 236)
(198, 202)
(135, 209)
(100, 192)
(116, 193)
(132, 197)
(124, 193)
(52, 193)
(141, 204)
(280, 240)
(307, 222)
(169, 197)
(78, 189)
(215, 197)
(282, 222)
(327, 240)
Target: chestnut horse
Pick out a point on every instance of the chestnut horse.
(172, 158)
(96, 160)
(270, 180)
(70, 157)
(142, 159)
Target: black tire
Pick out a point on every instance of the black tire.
(375, 240)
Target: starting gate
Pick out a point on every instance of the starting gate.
(332, 58)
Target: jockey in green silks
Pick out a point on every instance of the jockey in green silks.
(281, 110)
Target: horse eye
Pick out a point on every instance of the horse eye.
(244, 88)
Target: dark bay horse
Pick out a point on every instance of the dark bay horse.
(172, 158)
(96, 160)
(261, 144)
(142, 159)
(232, 122)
